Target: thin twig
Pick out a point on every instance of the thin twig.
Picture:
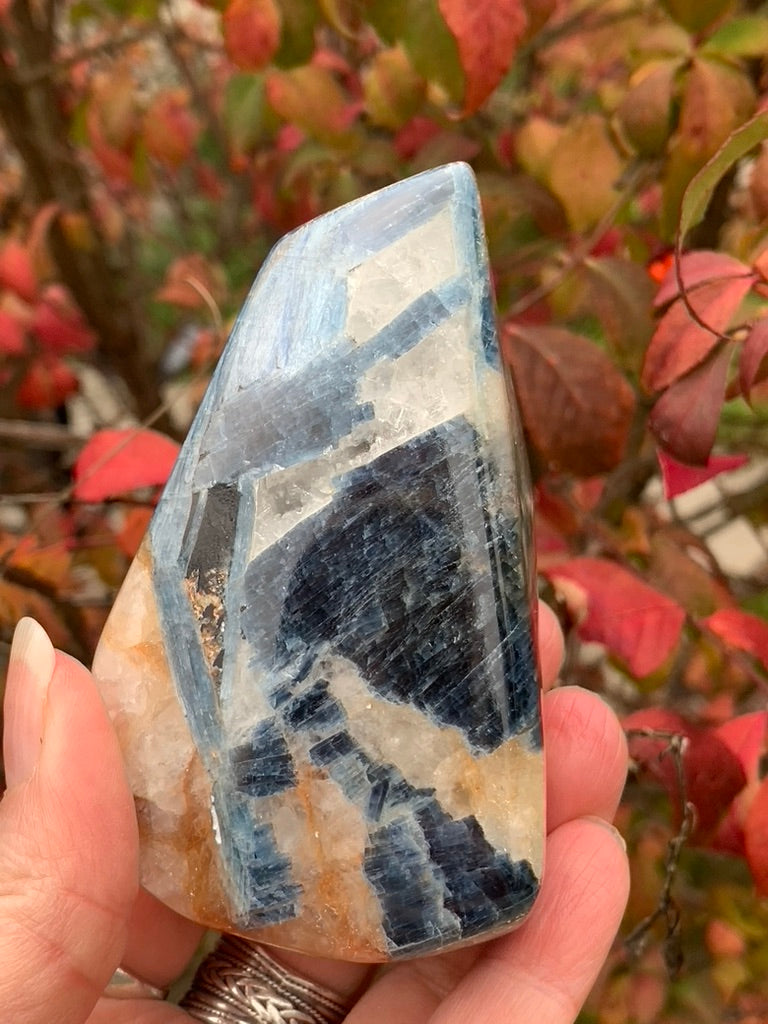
(666, 906)
(577, 255)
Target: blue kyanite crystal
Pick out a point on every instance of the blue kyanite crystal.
(321, 665)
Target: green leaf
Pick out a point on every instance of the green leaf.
(297, 40)
(419, 26)
(739, 37)
(699, 192)
(138, 9)
(757, 604)
(696, 14)
(392, 90)
(244, 111)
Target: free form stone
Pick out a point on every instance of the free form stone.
(321, 666)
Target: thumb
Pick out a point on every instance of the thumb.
(68, 844)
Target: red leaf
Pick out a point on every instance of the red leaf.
(170, 128)
(558, 378)
(679, 478)
(741, 630)
(745, 736)
(116, 461)
(413, 136)
(756, 839)
(46, 384)
(11, 335)
(697, 268)
(635, 622)
(16, 271)
(678, 343)
(752, 361)
(713, 773)
(59, 325)
(251, 32)
(684, 419)
(487, 33)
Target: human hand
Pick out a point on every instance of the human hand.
(71, 910)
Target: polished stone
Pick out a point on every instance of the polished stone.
(321, 666)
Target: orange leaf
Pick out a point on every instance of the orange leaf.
(50, 563)
(116, 461)
(487, 33)
(741, 630)
(187, 280)
(679, 478)
(170, 128)
(134, 527)
(17, 601)
(251, 32)
(679, 343)
(684, 419)
(635, 622)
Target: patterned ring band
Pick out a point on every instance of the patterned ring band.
(240, 983)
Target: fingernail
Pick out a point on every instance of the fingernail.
(615, 834)
(29, 672)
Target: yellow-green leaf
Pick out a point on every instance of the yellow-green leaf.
(311, 98)
(392, 90)
(695, 15)
(699, 192)
(645, 113)
(246, 115)
(535, 146)
(717, 99)
(297, 40)
(740, 37)
(584, 170)
(419, 26)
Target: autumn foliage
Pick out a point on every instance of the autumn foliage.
(152, 152)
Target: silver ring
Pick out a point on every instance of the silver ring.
(126, 986)
(240, 983)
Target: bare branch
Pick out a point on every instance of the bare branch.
(48, 436)
(666, 908)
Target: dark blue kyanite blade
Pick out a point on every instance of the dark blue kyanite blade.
(321, 665)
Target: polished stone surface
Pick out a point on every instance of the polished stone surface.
(321, 666)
